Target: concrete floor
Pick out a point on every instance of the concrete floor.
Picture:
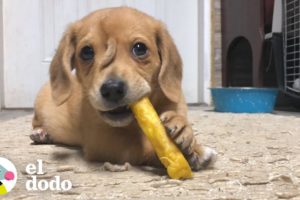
(259, 158)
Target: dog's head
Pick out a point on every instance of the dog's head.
(119, 55)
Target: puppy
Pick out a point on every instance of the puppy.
(104, 62)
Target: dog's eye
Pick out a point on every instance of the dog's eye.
(87, 53)
(140, 50)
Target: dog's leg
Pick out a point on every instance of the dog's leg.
(181, 132)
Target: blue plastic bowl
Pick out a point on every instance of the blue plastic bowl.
(244, 100)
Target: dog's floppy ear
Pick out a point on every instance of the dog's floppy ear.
(170, 74)
(61, 67)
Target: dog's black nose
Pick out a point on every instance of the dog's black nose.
(113, 90)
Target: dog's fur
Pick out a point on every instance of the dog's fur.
(68, 108)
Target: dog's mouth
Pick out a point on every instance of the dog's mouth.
(118, 112)
(120, 116)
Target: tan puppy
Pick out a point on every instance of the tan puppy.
(117, 56)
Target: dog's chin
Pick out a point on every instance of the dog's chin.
(118, 117)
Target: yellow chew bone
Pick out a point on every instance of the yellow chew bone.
(167, 151)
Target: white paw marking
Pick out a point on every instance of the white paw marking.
(210, 154)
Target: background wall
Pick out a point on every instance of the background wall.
(32, 29)
(217, 44)
(1, 57)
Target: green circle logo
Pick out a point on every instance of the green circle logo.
(8, 176)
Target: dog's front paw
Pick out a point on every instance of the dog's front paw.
(181, 133)
(179, 130)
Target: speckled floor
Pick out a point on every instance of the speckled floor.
(259, 158)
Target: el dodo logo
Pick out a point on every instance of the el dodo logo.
(8, 176)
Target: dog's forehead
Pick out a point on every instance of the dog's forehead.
(120, 21)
